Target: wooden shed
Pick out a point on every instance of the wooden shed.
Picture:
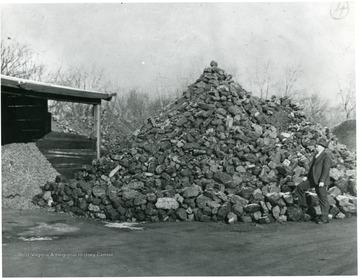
(25, 118)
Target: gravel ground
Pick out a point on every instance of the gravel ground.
(24, 170)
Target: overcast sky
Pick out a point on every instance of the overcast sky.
(139, 45)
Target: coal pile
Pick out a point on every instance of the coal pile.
(216, 154)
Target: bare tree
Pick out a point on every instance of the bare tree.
(315, 108)
(137, 104)
(287, 86)
(80, 78)
(18, 60)
(266, 81)
(77, 78)
(347, 96)
(157, 104)
(261, 80)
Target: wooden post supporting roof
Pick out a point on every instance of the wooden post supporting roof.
(97, 129)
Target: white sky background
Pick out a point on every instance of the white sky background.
(142, 45)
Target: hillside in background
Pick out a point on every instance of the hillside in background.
(346, 133)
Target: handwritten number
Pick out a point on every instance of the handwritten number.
(341, 7)
(340, 11)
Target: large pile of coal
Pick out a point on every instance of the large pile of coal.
(216, 154)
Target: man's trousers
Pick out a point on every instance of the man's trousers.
(320, 191)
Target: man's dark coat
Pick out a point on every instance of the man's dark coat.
(320, 169)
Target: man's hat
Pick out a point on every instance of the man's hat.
(322, 142)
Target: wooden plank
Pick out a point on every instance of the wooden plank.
(30, 112)
(73, 155)
(69, 156)
(46, 145)
(14, 100)
(28, 125)
(70, 160)
(25, 136)
(58, 140)
(75, 152)
(66, 136)
(27, 133)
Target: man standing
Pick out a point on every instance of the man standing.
(319, 178)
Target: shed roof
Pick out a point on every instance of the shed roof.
(19, 86)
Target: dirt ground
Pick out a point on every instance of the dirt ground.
(49, 244)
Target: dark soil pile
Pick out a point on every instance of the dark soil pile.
(346, 133)
(216, 154)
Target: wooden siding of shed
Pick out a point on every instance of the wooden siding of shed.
(23, 119)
